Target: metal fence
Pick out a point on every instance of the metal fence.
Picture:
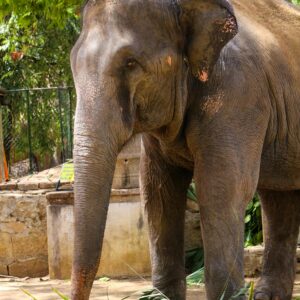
(38, 128)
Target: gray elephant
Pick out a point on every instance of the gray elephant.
(215, 89)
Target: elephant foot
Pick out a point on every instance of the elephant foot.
(268, 289)
(173, 291)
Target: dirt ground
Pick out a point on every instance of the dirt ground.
(41, 289)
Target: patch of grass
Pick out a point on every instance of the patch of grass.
(196, 278)
(248, 291)
(194, 260)
(153, 294)
(57, 292)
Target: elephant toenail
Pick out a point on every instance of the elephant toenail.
(261, 296)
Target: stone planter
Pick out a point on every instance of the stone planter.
(125, 248)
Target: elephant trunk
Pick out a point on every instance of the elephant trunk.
(94, 170)
(96, 146)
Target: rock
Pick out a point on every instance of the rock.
(26, 186)
(13, 227)
(47, 185)
(6, 250)
(192, 230)
(34, 244)
(3, 270)
(192, 206)
(8, 186)
(33, 267)
(253, 257)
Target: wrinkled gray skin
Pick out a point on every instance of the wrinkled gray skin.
(212, 103)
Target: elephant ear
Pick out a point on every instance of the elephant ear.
(208, 26)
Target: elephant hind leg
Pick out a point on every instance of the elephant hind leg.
(282, 212)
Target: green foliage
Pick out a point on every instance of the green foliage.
(48, 114)
(38, 56)
(194, 265)
(194, 260)
(248, 290)
(191, 193)
(35, 48)
(253, 223)
(30, 13)
(196, 277)
(152, 294)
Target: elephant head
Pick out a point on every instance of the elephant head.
(132, 65)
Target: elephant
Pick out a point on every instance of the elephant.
(213, 87)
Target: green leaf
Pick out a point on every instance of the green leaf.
(28, 294)
(247, 219)
(152, 294)
(62, 296)
(242, 292)
(196, 277)
(257, 204)
(191, 192)
(104, 279)
(251, 291)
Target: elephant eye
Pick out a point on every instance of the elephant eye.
(131, 63)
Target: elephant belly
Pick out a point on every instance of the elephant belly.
(280, 172)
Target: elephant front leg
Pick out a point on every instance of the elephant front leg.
(164, 190)
(223, 193)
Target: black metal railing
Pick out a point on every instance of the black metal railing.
(38, 126)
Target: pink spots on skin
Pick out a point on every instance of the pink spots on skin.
(203, 75)
(212, 104)
(169, 60)
(230, 25)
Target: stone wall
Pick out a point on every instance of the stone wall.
(23, 235)
(23, 246)
(253, 258)
(23, 232)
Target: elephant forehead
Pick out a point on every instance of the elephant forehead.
(147, 18)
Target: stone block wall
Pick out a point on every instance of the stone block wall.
(23, 236)
(253, 259)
